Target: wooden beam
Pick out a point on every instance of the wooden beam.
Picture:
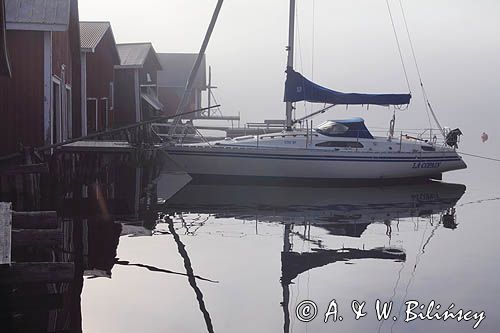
(26, 237)
(44, 272)
(25, 169)
(34, 220)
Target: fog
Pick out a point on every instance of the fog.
(352, 49)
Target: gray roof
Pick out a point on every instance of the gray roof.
(177, 68)
(134, 55)
(45, 15)
(91, 34)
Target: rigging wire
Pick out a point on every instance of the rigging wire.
(417, 261)
(313, 37)
(403, 264)
(216, 103)
(417, 67)
(428, 106)
(399, 45)
(299, 46)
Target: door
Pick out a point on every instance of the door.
(56, 119)
(92, 115)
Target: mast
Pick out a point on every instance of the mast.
(289, 65)
(189, 86)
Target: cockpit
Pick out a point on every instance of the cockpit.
(350, 128)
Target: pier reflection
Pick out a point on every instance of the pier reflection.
(97, 199)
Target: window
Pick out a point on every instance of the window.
(332, 128)
(340, 144)
(428, 148)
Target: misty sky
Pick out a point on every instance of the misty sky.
(456, 42)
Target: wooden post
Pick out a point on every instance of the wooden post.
(29, 178)
(4, 185)
(19, 192)
(5, 232)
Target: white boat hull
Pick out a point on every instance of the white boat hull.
(312, 164)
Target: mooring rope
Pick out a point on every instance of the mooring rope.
(482, 157)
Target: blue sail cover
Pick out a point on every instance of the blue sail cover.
(298, 88)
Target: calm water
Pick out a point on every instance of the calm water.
(258, 252)
(242, 258)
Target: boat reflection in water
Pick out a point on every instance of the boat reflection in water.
(342, 211)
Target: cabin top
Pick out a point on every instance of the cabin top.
(345, 128)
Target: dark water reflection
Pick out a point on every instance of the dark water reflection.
(168, 255)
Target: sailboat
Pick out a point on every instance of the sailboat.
(337, 150)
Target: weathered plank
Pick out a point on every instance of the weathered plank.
(5, 232)
(34, 220)
(27, 237)
(25, 169)
(45, 272)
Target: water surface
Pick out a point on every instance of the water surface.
(259, 251)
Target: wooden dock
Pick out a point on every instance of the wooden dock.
(30, 229)
(99, 146)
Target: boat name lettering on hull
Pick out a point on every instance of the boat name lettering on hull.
(426, 165)
(425, 197)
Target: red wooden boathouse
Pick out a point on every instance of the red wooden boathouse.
(40, 103)
(172, 81)
(99, 57)
(136, 97)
